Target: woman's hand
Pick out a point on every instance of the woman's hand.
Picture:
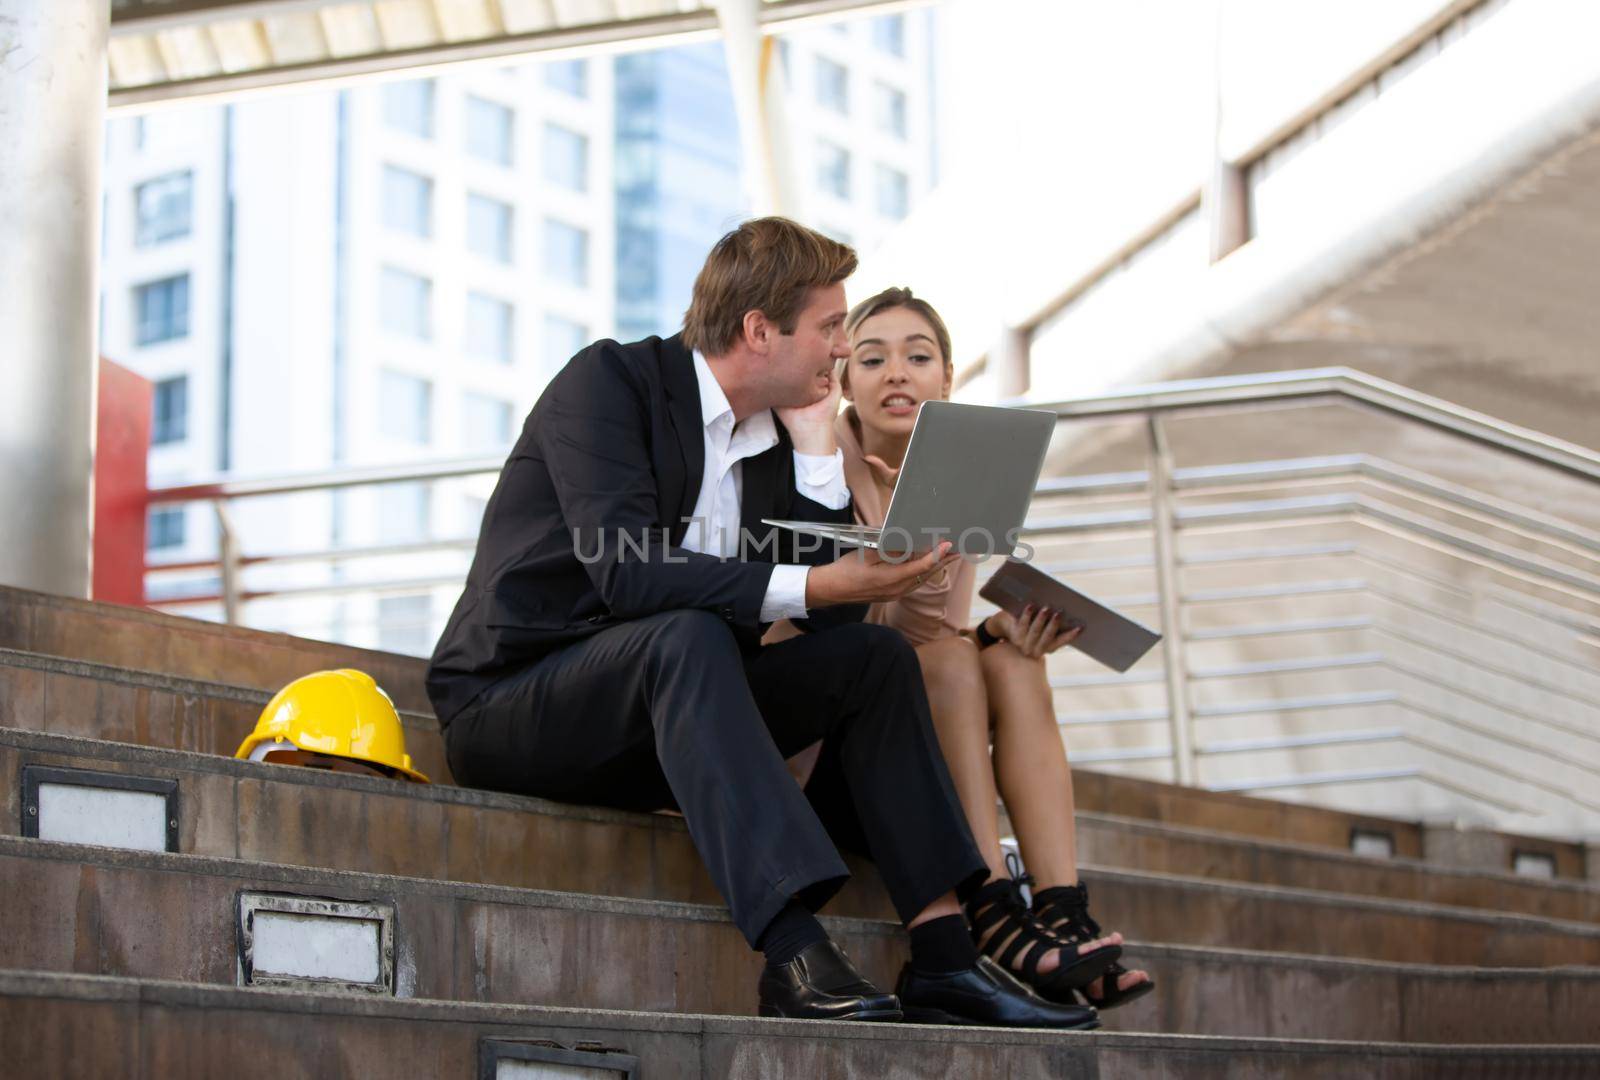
(886, 475)
(1038, 632)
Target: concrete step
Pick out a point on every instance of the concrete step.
(47, 693)
(56, 1025)
(42, 692)
(190, 648)
(103, 701)
(308, 817)
(90, 911)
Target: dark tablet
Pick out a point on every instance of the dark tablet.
(1114, 640)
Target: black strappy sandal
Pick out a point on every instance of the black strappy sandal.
(1064, 913)
(1003, 927)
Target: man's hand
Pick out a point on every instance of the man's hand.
(1037, 633)
(811, 426)
(865, 577)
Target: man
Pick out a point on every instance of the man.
(606, 648)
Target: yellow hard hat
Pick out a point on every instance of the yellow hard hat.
(342, 713)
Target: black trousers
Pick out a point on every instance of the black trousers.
(667, 711)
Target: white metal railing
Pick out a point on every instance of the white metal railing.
(1546, 573)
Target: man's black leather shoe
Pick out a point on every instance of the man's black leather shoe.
(984, 994)
(821, 984)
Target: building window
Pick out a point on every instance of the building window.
(894, 193)
(891, 110)
(568, 76)
(408, 106)
(169, 422)
(833, 169)
(833, 85)
(489, 224)
(566, 158)
(488, 329)
(405, 624)
(889, 34)
(162, 308)
(485, 423)
(562, 340)
(403, 512)
(406, 303)
(489, 127)
(162, 207)
(405, 407)
(407, 201)
(164, 527)
(566, 253)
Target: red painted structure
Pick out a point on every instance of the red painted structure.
(122, 451)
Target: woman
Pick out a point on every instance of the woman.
(986, 682)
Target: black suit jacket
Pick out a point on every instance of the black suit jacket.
(615, 445)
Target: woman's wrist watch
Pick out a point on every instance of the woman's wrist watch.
(984, 636)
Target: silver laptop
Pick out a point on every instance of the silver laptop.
(968, 476)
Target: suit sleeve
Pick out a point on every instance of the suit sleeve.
(595, 446)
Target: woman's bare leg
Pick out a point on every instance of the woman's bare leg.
(1034, 778)
(1030, 763)
(961, 718)
(960, 705)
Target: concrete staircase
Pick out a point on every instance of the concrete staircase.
(520, 927)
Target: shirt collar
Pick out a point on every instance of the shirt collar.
(758, 431)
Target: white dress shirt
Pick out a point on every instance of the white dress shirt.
(715, 528)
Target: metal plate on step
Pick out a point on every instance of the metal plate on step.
(546, 1059)
(316, 943)
(81, 806)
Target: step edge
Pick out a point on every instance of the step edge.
(116, 988)
(369, 884)
(451, 794)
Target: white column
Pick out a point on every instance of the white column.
(52, 111)
(757, 80)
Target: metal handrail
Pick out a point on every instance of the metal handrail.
(1334, 382)
(1513, 553)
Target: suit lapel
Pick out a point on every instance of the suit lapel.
(683, 407)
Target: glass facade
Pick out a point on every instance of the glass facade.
(405, 407)
(833, 85)
(889, 34)
(161, 310)
(169, 421)
(163, 208)
(890, 109)
(408, 106)
(164, 528)
(833, 169)
(568, 76)
(488, 330)
(566, 253)
(406, 303)
(485, 423)
(562, 339)
(489, 127)
(407, 201)
(678, 182)
(566, 157)
(894, 193)
(489, 223)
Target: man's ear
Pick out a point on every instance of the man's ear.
(758, 331)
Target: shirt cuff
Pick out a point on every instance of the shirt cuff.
(786, 594)
(820, 478)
